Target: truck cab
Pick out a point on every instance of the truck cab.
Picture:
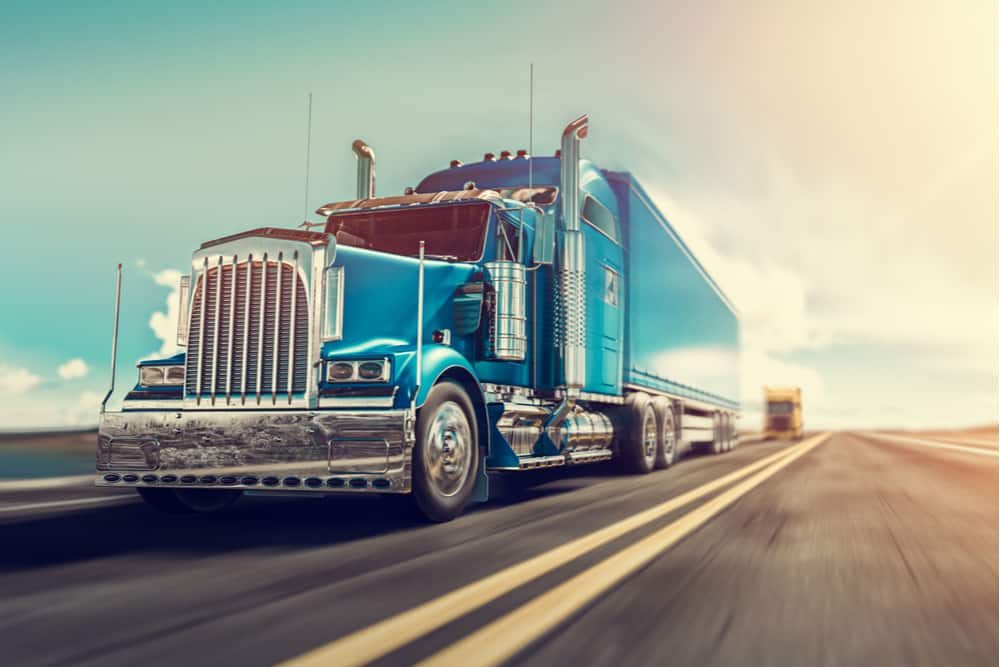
(783, 412)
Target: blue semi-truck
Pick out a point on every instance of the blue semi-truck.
(516, 313)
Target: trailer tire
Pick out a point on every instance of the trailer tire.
(189, 501)
(642, 437)
(718, 442)
(666, 447)
(446, 454)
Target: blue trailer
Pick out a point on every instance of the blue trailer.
(507, 315)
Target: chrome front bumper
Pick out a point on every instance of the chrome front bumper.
(328, 451)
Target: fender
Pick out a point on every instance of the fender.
(444, 361)
(438, 359)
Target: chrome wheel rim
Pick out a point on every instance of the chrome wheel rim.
(448, 449)
(649, 436)
(668, 439)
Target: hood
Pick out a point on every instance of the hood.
(380, 301)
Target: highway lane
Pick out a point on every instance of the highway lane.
(861, 550)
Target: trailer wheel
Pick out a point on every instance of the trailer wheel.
(446, 455)
(189, 501)
(718, 440)
(666, 449)
(642, 436)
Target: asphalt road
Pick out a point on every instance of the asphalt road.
(856, 549)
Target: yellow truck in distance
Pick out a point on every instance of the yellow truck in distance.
(783, 412)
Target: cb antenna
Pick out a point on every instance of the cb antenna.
(531, 123)
(309, 122)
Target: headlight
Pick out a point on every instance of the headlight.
(371, 370)
(341, 371)
(161, 376)
(376, 370)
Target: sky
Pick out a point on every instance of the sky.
(834, 165)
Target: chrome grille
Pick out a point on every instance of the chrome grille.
(249, 334)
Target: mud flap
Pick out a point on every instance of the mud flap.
(481, 491)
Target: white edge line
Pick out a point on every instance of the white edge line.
(65, 503)
(45, 483)
(981, 451)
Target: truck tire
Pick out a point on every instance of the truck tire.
(718, 443)
(642, 435)
(666, 448)
(189, 501)
(446, 455)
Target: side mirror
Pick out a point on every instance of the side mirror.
(543, 250)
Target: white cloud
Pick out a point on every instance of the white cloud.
(164, 324)
(14, 380)
(73, 369)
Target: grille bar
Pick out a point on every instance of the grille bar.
(249, 330)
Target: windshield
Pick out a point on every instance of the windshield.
(780, 408)
(454, 232)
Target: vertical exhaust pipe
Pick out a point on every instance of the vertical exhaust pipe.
(572, 271)
(571, 310)
(366, 169)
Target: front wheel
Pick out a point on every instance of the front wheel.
(446, 455)
(189, 501)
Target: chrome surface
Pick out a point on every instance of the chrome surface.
(276, 345)
(291, 337)
(365, 450)
(114, 337)
(508, 338)
(521, 426)
(333, 285)
(590, 456)
(251, 323)
(217, 326)
(531, 462)
(583, 430)
(447, 454)
(366, 169)
(649, 435)
(357, 401)
(232, 328)
(669, 436)
(570, 311)
(183, 292)
(420, 324)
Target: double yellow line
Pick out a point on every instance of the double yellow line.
(510, 634)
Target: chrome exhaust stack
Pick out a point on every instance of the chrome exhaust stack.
(571, 313)
(366, 169)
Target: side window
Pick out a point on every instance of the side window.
(610, 287)
(600, 218)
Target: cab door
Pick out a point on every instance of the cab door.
(604, 298)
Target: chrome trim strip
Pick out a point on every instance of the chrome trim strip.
(246, 332)
(260, 326)
(590, 456)
(530, 462)
(218, 326)
(232, 330)
(276, 349)
(336, 402)
(201, 332)
(291, 335)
